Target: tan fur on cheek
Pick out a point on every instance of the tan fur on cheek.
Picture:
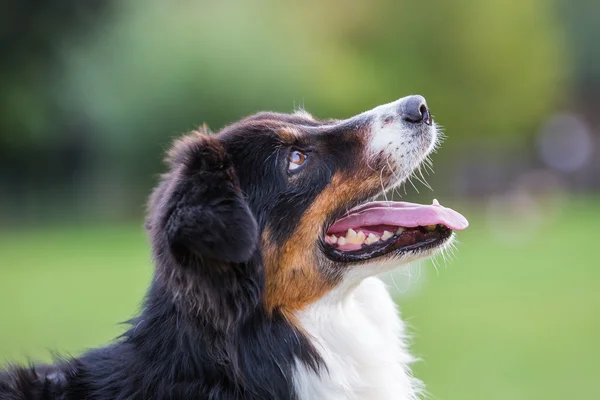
(294, 276)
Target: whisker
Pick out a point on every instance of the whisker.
(428, 165)
(369, 165)
(395, 188)
(382, 185)
(409, 179)
(394, 283)
(423, 180)
(435, 265)
(419, 266)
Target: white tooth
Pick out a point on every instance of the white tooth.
(435, 202)
(400, 230)
(361, 236)
(333, 239)
(355, 238)
(386, 235)
(372, 238)
(430, 227)
(352, 237)
(341, 241)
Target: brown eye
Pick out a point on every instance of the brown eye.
(296, 159)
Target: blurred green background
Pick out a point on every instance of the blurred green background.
(91, 94)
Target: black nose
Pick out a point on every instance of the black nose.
(414, 109)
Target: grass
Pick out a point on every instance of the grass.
(506, 320)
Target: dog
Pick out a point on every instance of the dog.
(267, 245)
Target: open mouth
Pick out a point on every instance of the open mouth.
(377, 228)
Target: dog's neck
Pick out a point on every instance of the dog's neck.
(360, 338)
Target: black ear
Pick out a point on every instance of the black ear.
(199, 206)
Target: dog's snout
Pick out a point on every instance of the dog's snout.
(414, 109)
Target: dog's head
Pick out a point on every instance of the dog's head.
(292, 194)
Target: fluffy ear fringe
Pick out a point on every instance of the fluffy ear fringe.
(206, 213)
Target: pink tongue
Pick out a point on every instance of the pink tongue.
(408, 215)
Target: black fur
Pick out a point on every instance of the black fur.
(203, 332)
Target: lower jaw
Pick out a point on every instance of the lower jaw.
(393, 247)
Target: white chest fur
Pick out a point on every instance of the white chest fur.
(361, 339)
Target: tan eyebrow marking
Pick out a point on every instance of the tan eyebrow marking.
(289, 134)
